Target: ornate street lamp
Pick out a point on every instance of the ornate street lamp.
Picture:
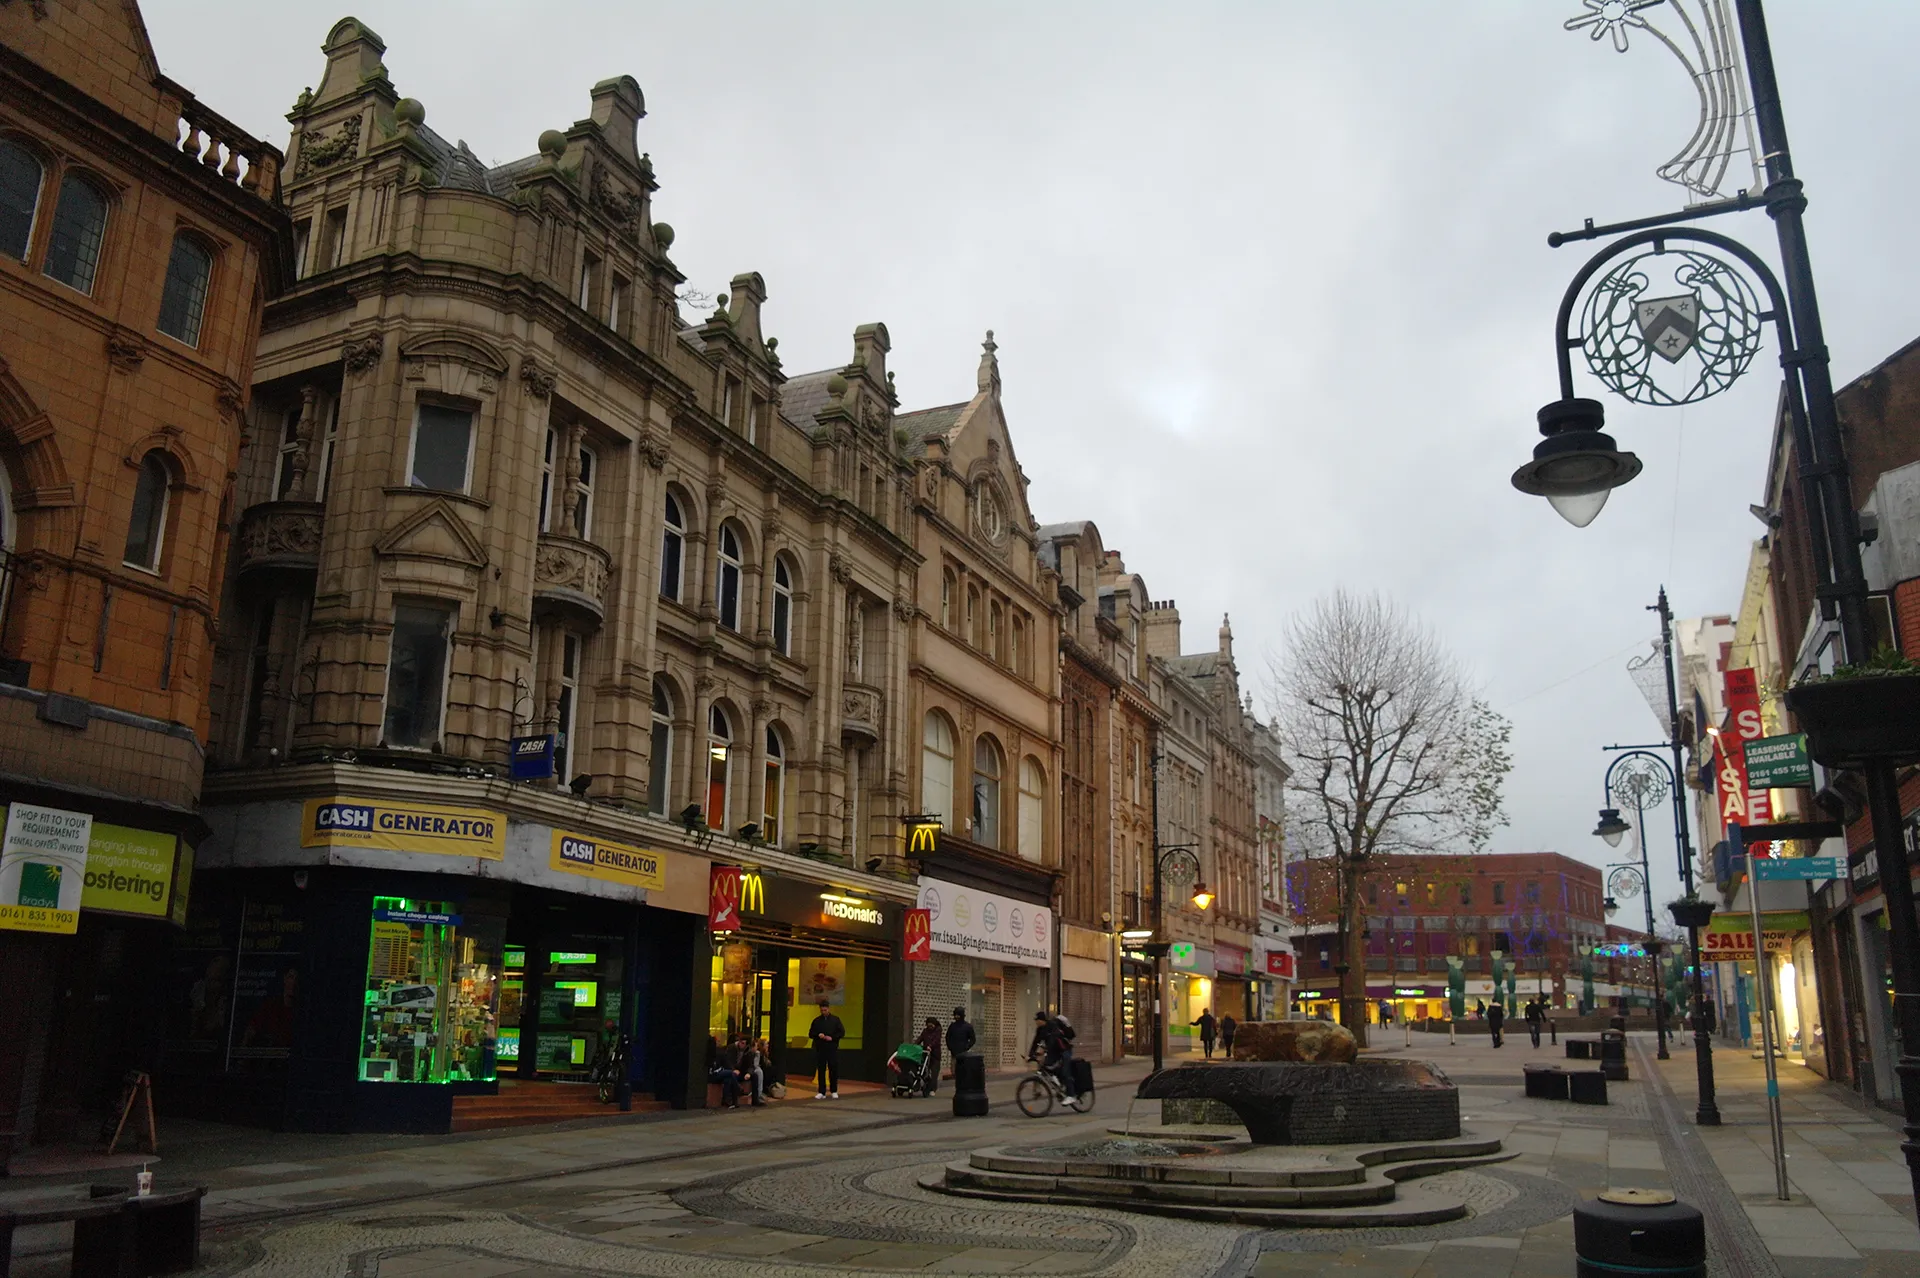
(1181, 863)
(1611, 827)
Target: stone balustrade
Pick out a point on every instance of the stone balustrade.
(228, 150)
(860, 711)
(570, 575)
(280, 535)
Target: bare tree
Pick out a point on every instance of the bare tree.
(1394, 755)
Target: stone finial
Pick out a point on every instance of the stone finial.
(618, 108)
(353, 59)
(989, 379)
(871, 342)
(409, 113)
(1226, 635)
(836, 386)
(663, 236)
(749, 291)
(553, 144)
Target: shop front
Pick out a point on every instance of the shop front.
(1190, 991)
(798, 943)
(992, 954)
(1317, 1002)
(1232, 994)
(1136, 1004)
(1398, 1004)
(361, 963)
(1280, 967)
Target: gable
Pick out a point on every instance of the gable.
(100, 47)
(432, 547)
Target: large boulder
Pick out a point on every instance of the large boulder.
(1315, 1041)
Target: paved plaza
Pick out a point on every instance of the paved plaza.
(808, 1187)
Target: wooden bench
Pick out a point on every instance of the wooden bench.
(1586, 1086)
(117, 1234)
(1545, 1082)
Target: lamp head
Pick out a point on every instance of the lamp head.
(1576, 466)
(1202, 898)
(580, 784)
(691, 816)
(1611, 827)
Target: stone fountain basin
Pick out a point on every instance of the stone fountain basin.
(1301, 1103)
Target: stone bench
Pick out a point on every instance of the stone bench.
(117, 1234)
(1545, 1082)
(1586, 1086)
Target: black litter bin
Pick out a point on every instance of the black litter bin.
(1613, 1055)
(1642, 1232)
(969, 1085)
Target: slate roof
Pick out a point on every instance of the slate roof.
(1072, 528)
(1200, 665)
(927, 423)
(802, 398)
(458, 167)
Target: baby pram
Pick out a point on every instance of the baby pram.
(908, 1068)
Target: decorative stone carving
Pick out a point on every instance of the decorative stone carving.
(538, 381)
(1294, 1041)
(125, 351)
(620, 205)
(653, 447)
(362, 353)
(860, 711)
(762, 709)
(840, 569)
(873, 416)
(569, 571)
(231, 400)
(319, 152)
(286, 533)
(930, 482)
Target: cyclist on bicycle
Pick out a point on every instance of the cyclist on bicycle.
(1053, 1047)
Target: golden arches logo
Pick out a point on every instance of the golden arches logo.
(753, 893)
(923, 837)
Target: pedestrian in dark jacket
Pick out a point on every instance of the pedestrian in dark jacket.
(1227, 1026)
(1208, 1028)
(1535, 1015)
(825, 1034)
(930, 1043)
(960, 1036)
(1496, 1017)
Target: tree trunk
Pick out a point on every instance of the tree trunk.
(1353, 986)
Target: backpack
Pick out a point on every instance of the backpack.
(1065, 1027)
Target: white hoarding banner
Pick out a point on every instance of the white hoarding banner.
(983, 925)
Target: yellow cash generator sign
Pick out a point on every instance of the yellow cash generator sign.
(609, 862)
(403, 827)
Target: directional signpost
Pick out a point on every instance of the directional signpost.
(1801, 867)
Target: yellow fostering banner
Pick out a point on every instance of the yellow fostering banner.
(608, 862)
(128, 871)
(403, 827)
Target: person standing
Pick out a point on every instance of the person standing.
(1534, 1016)
(825, 1034)
(1496, 1017)
(929, 1041)
(960, 1036)
(1227, 1026)
(1208, 1028)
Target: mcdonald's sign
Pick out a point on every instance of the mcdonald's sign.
(753, 893)
(723, 898)
(918, 935)
(923, 837)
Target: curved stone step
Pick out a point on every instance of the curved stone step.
(1410, 1206)
(1130, 1192)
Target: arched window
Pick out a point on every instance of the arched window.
(775, 804)
(946, 600)
(1020, 647)
(1033, 808)
(673, 544)
(936, 769)
(79, 227)
(183, 301)
(994, 631)
(148, 525)
(727, 585)
(719, 757)
(986, 792)
(973, 616)
(782, 608)
(660, 760)
(20, 177)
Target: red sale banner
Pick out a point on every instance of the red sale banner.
(918, 936)
(1738, 804)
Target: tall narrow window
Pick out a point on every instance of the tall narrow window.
(583, 495)
(973, 616)
(569, 708)
(1020, 647)
(147, 526)
(289, 446)
(673, 544)
(729, 400)
(986, 792)
(20, 178)
(782, 608)
(302, 243)
(727, 585)
(1033, 810)
(328, 438)
(442, 442)
(994, 631)
(936, 769)
(333, 244)
(79, 228)
(259, 666)
(183, 301)
(546, 481)
(775, 804)
(719, 757)
(589, 275)
(417, 675)
(946, 600)
(751, 427)
(660, 758)
(617, 303)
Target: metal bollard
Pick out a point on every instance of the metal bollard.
(1553, 1028)
(1643, 1232)
(970, 1085)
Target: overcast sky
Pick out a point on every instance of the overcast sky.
(1269, 279)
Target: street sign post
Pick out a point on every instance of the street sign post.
(1776, 763)
(1801, 867)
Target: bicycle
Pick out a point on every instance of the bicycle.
(1040, 1091)
(610, 1066)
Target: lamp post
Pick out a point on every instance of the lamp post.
(1185, 865)
(1632, 780)
(1576, 465)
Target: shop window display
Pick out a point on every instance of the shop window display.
(579, 1000)
(842, 982)
(432, 996)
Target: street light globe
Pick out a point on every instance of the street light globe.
(1611, 827)
(1579, 509)
(1202, 898)
(1576, 465)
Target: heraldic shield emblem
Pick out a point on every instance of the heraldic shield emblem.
(1669, 324)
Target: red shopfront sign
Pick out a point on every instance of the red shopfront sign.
(917, 935)
(1279, 964)
(1738, 804)
(723, 898)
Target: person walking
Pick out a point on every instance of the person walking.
(1496, 1017)
(1480, 1009)
(1535, 1015)
(929, 1041)
(960, 1036)
(825, 1034)
(1227, 1026)
(1208, 1028)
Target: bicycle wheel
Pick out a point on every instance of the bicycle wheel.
(606, 1091)
(1085, 1104)
(1034, 1097)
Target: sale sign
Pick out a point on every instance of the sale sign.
(1739, 804)
(918, 936)
(723, 898)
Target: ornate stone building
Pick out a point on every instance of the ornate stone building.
(139, 235)
(502, 503)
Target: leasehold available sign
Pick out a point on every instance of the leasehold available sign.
(403, 827)
(1776, 763)
(42, 863)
